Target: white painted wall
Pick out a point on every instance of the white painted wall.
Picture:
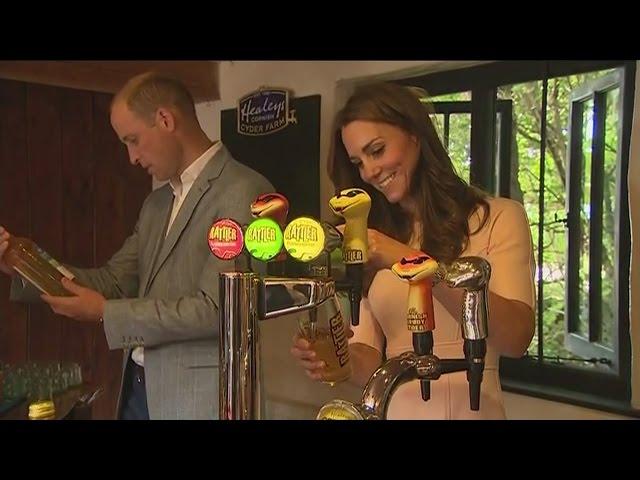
(333, 80)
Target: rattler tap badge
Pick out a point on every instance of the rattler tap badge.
(304, 239)
(225, 239)
(263, 239)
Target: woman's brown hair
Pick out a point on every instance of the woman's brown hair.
(445, 201)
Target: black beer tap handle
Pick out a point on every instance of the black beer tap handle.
(423, 345)
(474, 352)
(354, 275)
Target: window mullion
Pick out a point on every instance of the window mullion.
(541, 222)
(574, 193)
(446, 130)
(595, 217)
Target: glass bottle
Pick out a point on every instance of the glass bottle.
(36, 266)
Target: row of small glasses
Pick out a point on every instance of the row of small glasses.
(38, 381)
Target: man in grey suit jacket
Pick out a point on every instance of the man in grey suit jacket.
(157, 296)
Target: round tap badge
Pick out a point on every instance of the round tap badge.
(339, 410)
(263, 239)
(225, 239)
(304, 239)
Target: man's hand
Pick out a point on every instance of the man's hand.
(4, 244)
(86, 306)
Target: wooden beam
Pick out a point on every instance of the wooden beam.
(201, 77)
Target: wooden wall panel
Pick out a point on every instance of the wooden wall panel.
(14, 211)
(76, 117)
(67, 183)
(45, 188)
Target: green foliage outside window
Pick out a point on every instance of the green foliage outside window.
(525, 166)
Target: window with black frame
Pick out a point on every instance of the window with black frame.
(560, 145)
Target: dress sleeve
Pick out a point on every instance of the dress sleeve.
(510, 252)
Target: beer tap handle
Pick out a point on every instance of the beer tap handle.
(276, 207)
(423, 345)
(474, 352)
(353, 204)
(472, 274)
(355, 275)
(417, 271)
(333, 238)
(321, 266)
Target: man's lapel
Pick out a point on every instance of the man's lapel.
(200, 187)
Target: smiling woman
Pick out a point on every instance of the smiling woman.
(385, 131)
(385, 155)
(385, 145)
